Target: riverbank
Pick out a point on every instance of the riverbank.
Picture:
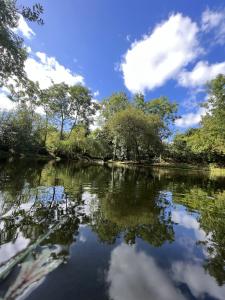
(213, 170)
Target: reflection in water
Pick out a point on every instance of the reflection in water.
(32, 271)
(134, 275)
(162, 232)
(198, 281)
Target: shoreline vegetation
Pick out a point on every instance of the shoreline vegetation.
(212, 169)
(127, 130)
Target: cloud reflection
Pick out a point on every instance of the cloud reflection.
(198, 280)
(134, 275)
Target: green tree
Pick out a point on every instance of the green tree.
(162, 107)
(113, 104)
(71, 105)
(208, 141)
(21, 131)
(12, 50)
(59, 103)
(83, 106)
(135, 135)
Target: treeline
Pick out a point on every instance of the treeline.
(206, 143)
(57, 121)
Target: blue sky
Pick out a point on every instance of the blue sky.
(159, 47)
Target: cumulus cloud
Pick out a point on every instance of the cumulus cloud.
(201, 73)
(190, 119)
(24, 28)
(45, 70)
(214, 20)
(158, 57)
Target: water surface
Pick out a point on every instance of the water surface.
(73, 231)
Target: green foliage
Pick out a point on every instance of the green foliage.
(12, 51)
(207, 143)
(135, 135)
(161, 107)
(68, 105)
(21, 131)
(114, 104)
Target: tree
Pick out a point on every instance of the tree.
(113, 104)
(83, 106)
(161, 107)
(12, 50)
(59, 104)
(135, 135)
(72, 105)
(29, 94)
(213, 124)
(208, 141)
(21, 131)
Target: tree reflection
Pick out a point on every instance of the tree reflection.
(115, 202)
(133, 205)
(211, 209)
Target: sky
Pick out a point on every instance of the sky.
(160, 48)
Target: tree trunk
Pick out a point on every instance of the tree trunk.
(46, 128)
(61, 128)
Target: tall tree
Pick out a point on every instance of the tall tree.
(135, 135)
(82, 105)
(59, 104)
(72, 105)
(162, 107)
(113, 104)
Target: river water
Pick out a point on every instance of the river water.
(78, 231)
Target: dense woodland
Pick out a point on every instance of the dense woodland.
(57, 121)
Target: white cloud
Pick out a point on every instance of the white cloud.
(211, 19)
(201, 73)
(5, 102)
(46, 70)
(214, 20)
(24, 28)
(190, 119)
(159, 56)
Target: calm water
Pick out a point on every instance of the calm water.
(71, 231)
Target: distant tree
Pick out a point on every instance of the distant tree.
(57, 99)
(135, 135)
(71, 105)
(28, 93)
(82, 105)
(162, 107)
(113, 104)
